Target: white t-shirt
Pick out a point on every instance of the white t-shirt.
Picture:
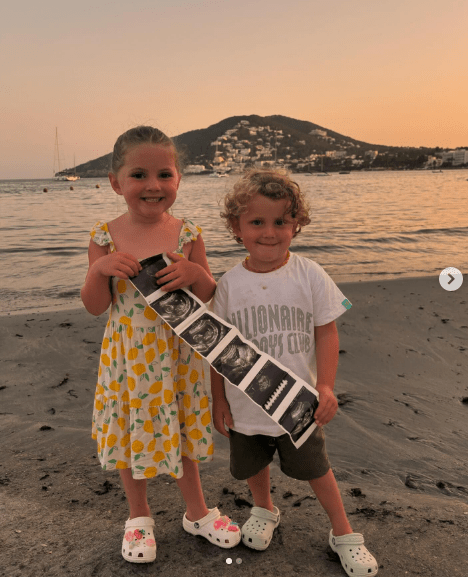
(277, 311)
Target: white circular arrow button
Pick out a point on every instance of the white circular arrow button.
(450, 279)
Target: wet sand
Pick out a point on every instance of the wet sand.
(397, 446)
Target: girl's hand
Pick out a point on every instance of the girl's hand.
(181, 274)
(119, 264)
(222, 415)
(327, 407)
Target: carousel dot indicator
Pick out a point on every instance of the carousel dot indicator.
(238, 560)
(229, 560)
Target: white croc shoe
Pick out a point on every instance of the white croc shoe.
(258, 530)
(220, 531)
(139, 545)
(354, 556)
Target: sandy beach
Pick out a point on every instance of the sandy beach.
(397, 445)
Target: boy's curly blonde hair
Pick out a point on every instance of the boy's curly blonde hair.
(275, 184)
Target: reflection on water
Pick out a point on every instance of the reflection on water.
(364, 226)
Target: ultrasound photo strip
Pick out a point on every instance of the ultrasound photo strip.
(230, 354)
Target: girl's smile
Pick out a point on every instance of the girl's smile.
(148, 181)
(266, 231)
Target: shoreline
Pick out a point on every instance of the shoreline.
(397, 446)
(77, 304)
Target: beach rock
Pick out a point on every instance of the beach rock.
(411, 482)
(298, 502)
(241, 502)
(356, 492)
(106, 487)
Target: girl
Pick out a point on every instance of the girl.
(151, 412)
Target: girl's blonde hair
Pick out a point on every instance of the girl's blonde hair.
(141, 135)
(275, 184)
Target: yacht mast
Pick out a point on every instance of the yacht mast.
(57, 162)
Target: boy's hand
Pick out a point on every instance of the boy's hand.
(222, 415)
(328, 405)
(180, 274)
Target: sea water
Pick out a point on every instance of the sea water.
(365, 226)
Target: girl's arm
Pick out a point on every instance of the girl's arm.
(193, 272)
(221, 411)
(327, 352)
(96, 294)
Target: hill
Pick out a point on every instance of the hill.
(236, 141)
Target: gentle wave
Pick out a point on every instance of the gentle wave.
(369, 225)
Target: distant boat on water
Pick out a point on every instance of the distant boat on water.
(58, 163)
(73, 177)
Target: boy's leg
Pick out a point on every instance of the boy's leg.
(259, 484)
(354, 556)
(257, 532)
(328, 494)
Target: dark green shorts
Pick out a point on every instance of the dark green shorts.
(250, 454)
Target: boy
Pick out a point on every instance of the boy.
(286, 305)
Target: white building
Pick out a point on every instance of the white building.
(318, 132)
(194, 169)
(434, 162)
(460, 157)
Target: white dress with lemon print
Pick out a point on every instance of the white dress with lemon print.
(151, 406)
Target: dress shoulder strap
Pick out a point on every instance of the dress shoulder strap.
(101, 235)
(188, 233)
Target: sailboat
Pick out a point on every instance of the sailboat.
(73, 177)
(57, 163)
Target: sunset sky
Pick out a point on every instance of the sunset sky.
(391, 73)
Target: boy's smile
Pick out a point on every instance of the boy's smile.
(266, 231)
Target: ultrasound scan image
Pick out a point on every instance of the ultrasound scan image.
(236, 360)
(265, 382)
(205, 334)
(145, 281)
(176, 306)
(276, 398)
(299, 416)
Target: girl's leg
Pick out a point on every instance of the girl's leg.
(191, 489)
(259, 484)
(329, 496)
(135, 489)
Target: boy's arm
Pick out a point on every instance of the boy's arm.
(221, 412)
(327, 352)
